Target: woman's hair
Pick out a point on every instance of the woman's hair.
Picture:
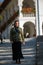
(15, 22)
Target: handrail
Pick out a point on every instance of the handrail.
(3, 27)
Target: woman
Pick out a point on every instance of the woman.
(16, 36)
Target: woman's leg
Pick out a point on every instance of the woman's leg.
(16, 60)
(1, 40)
(19, 60)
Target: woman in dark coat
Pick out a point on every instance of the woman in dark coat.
(16, 36)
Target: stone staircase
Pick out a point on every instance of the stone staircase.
(28, 50)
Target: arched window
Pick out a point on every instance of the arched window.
(28, 8)
(29, 29)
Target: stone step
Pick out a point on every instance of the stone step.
(28, 51)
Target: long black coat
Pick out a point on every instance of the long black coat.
(16, 49)
(17, 37)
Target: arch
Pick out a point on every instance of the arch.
(29, 29)
(28, 3)
(28, 7)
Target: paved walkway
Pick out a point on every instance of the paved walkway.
(28, 50)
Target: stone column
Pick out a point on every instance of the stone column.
(37, 18)
(20, 7)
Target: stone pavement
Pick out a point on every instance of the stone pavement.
(28, 50)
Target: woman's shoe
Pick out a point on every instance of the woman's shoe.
(18, 62)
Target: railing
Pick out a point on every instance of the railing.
(29, 15)
(9, 13)
(5, 24)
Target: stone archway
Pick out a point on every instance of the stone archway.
(29, 29)
(28, 7)
(28, 3)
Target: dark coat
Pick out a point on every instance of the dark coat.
(17, 37)
(16, 49)
(16, 34)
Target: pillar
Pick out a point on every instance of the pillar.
(37, 18)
